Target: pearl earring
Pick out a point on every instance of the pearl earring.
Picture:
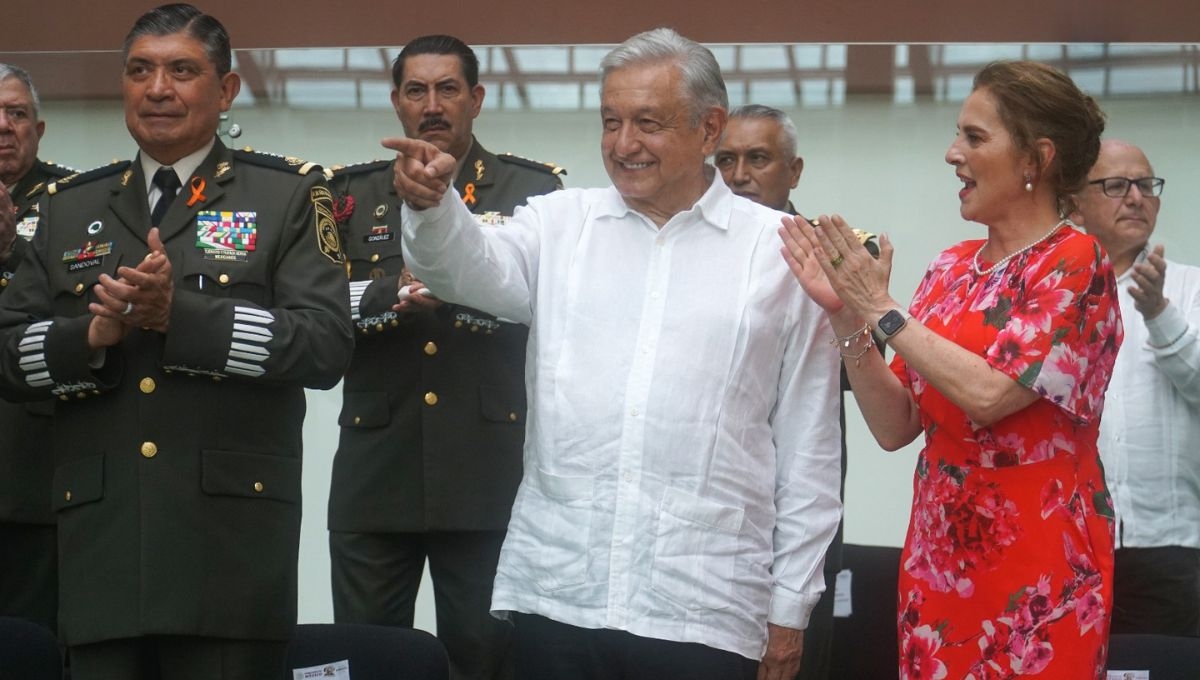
(1028, 183)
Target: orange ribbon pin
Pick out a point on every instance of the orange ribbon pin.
(197, 187)
(469, 194)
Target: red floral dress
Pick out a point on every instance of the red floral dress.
(1007, 566)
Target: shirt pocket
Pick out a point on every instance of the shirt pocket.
(365, 410)
(695, 551)
(556, 516)
(225, 279)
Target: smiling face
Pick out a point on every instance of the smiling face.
(993, 171)
(20, 131)
(755, 163)
(652, 151)
(435, 103)
(1122, 225)
(173, 95)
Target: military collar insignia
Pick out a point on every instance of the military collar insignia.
(222, 168)
(478, 170)
(126, 177)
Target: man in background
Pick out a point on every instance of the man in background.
(29, 558)
(1150, 428)
(433, 414)
(758, 160)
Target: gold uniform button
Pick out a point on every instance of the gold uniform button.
(431, 348)
(357, 420)
(223, 279)
(512, 417)
(374, 257)
(458, 324)
(378, 328)
(431, 398)
(78, 288)
(3, 283)
(147, 385)
(67, 496)
(149, 449)
(474, 329)
(258, 486)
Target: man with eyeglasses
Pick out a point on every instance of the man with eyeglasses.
(1151, 420)
(29, 560)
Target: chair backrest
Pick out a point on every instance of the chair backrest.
(28, 651)
(874, 575)
(1166, 657)
(374, 652)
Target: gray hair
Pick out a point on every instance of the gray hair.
(184, 18)
(10, 71)
(787, 129)
(703, 86)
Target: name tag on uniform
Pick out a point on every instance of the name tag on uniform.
(227, 235)
(336, 670)
(90, 255)
(492, 219)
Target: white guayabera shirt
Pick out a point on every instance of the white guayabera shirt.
(682, 448)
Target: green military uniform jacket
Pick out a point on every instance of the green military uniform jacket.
(433, 415)
(25, 461)
(177, 455)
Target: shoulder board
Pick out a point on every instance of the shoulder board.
(359, 168)
(536, 165)
(55, 169)
(292, 164)
(87, 176)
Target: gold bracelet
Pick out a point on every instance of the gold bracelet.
(843, 342)
(858, 357)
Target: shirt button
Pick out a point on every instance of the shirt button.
(223, 279)
(149, 449)
(431, 348)
(431, 398)
(147, 385)
(634, 412)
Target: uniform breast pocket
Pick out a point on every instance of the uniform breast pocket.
(73, 282)
(695, 550)
(78, 482)
(238, 277)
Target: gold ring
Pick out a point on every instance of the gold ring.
(838, 260)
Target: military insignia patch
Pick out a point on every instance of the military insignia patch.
(27, 226)
(227, 235)
(328, 239)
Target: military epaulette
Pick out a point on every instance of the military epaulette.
(270, 160)
(87, 176)
(359, 168)
(536, 165)
(52, 168)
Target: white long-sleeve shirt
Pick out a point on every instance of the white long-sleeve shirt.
(1150, 430)
(682, 449)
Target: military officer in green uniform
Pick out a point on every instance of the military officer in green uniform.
(28, 559)
(433, 415)
(175, 307)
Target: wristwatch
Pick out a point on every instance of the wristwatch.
(890, 324)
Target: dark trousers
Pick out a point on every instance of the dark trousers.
(169, 657)
(29, 573)
(376, 578)
(1157, 591)
(549, 650)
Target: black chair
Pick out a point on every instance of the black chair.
(864, 643)
(1166, 657)
(28, 651)
(374, 652)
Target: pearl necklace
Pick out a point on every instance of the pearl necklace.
(1004, 260)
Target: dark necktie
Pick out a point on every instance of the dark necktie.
(166, 180)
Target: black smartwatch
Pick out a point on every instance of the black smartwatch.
(890, 324)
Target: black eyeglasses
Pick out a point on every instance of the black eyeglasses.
(1118, 187)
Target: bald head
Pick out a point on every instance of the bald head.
(1122, 223)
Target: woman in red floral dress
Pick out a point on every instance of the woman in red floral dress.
(1007, 565)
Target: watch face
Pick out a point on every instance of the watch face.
(891, 322)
